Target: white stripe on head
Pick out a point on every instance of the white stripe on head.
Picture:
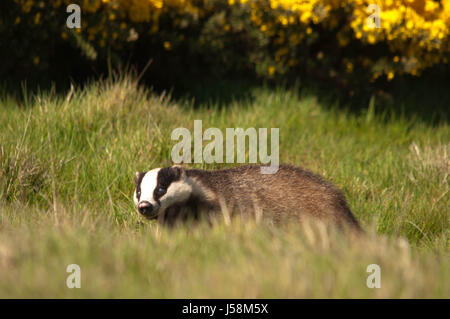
(148, 185)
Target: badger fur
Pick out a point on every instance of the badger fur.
(175, 193)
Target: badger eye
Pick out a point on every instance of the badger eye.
(161, 191)
(138, 194)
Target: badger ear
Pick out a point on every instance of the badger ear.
(137, 176)
(178, 171)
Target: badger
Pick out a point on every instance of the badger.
(176, 193)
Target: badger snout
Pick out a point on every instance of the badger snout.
(145, 208)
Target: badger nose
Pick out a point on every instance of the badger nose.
(145, 208)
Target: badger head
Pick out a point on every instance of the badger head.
(160, 188)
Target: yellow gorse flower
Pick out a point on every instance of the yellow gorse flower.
(418, 31)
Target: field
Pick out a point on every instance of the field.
(67, 165)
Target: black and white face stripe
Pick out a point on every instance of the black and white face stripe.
(161, 187)
(138, 179)
(166, 176)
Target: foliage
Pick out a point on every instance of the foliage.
(325, 38)
(67, 166)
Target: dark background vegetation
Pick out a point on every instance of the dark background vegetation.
(198, 70)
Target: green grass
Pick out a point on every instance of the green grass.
(66, 182)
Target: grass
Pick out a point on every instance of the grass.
(66, 181)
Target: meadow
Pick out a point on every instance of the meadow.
(67, 164)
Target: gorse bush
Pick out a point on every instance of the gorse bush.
(326, 38)
(411, 35)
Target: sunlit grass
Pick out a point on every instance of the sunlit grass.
(66, 181)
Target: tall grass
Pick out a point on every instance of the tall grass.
(66, 181)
